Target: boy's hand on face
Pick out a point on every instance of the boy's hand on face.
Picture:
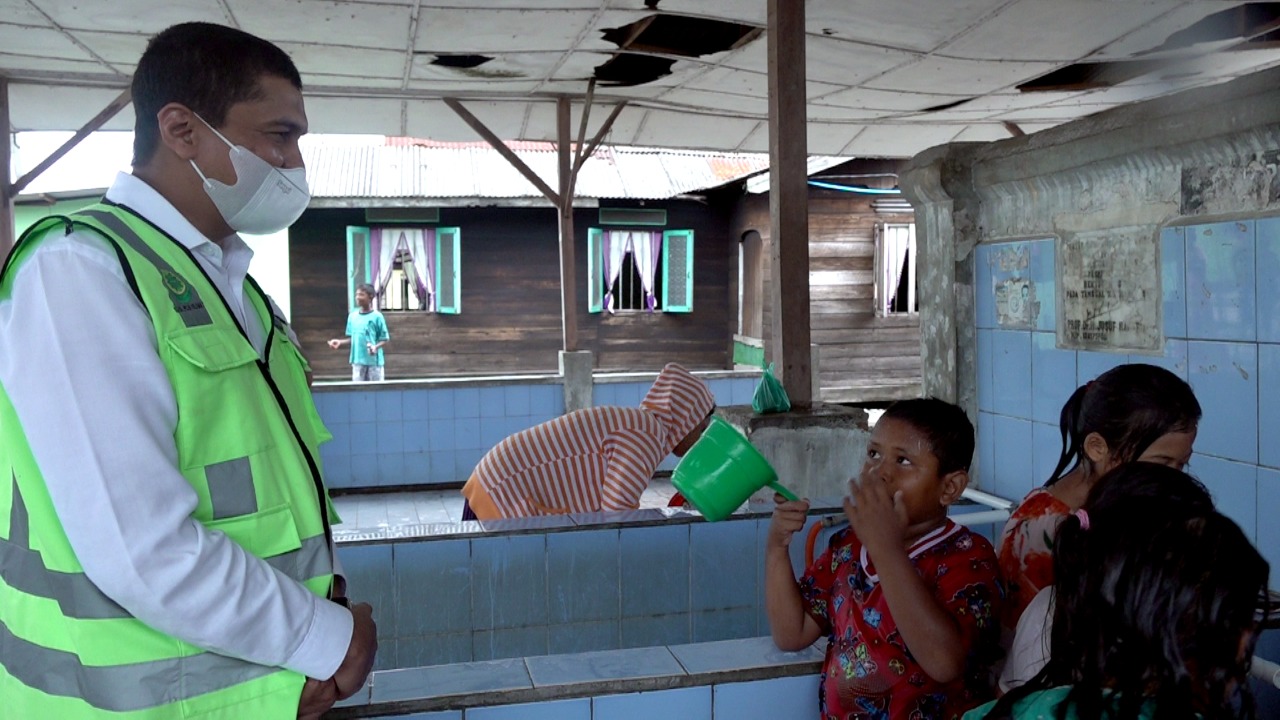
(879, 519)
(789, 517)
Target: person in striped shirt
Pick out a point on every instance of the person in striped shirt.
(594, 459)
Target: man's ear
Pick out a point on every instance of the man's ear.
(953, 485)
(177, 130)
(1096, 450)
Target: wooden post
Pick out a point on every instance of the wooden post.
(789, 198)
(568, 268)
(7, 232)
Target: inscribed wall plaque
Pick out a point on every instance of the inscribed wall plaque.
(1110, 285)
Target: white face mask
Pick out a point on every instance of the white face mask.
(264, 199)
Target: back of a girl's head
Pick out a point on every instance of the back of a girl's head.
(1154, 594)
(1130, 406)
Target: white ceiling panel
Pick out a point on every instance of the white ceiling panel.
(875, 67)
(323, 21)
(917, 25)
(32, 107)
(20, 12)
(119, 49)
(1004, 102)
(894, 141)
(329, 85)
(47, 67)
(711, 101)
(900, 102)
(480, 31)
(984, 132)
(1157, 30)
(348, 115)
(1033, 29)
(41, 42)
(747, 13)
(120, 17)
(519, 67)
(667, 128)
(945, 75)
(346, 60)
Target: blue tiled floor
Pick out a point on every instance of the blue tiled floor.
(381, 510)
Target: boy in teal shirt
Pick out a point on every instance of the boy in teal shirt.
(367, 334)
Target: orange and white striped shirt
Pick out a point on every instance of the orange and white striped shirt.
(599, 458)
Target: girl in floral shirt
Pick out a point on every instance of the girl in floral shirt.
(1131, 412)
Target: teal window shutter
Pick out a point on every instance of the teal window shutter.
(358, 261)
(677, 271)
(595, 270)
(448, 276)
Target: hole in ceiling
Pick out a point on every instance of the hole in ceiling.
(680, 35)
(667, 35)
(1244, 22)
(1090, 76)
(470, 66)
(1255, 24)
(651, 4)
(461, 61)
(946, 106)
(626, 69)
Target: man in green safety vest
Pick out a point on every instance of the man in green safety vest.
(165, 542)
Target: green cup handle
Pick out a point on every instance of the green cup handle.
(783, 491)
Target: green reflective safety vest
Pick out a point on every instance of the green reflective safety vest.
(248, 438)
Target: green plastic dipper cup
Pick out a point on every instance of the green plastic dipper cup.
(722, 470)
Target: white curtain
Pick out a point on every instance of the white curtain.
(617, 245)
(419, 243)
(897, 241)
(387, 241)
(645, 247)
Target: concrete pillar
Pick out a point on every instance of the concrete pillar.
(938, 184)
(576, 369)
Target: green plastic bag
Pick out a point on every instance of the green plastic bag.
(770, 397)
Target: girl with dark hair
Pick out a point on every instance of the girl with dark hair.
(1155, 610)
(1146, 487)
(1131, 412)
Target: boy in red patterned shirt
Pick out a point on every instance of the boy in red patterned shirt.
(907, 599)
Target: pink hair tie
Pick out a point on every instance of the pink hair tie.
(1083, 517)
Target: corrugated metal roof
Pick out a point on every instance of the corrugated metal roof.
(409, 168)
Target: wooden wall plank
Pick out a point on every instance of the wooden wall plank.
(510, 320)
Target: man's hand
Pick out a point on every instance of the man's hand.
(879, 519)
(358, 663)
(789, 517)
(335, 343)
(317, 697)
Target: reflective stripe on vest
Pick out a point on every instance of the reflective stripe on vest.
(123, 688)
(77, 596)
(185, 299)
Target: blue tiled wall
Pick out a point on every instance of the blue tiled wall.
(439, 601)
(424, 436)
(786, 698)
(1222, 327)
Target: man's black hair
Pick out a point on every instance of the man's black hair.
(945, 426)
(207, 68)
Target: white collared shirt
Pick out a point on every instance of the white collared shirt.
(79, 361)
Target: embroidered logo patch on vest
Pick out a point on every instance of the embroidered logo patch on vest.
(176, 286)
